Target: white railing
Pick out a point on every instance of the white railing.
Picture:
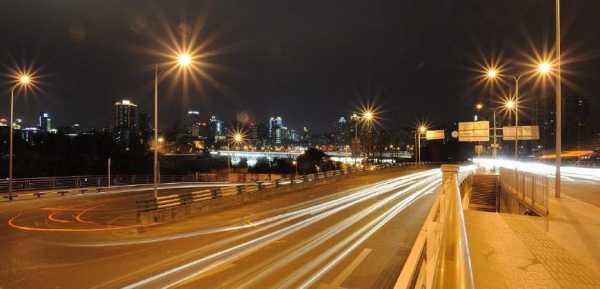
(529, 189)
(440, 256)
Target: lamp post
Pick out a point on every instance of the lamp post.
(23, 80)
(183, 60)
(420, 130)
(492, 74)
(368, 116)
(295, 163)
(517, 78)
(558, 146)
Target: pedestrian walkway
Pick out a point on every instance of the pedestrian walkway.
(517, 251)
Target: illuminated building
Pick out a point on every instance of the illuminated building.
(124, 122)
(276, 130)
(45, 122)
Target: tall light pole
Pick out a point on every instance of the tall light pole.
(155, 163)
(479, 107)
(367, 116)
(422, 129)
(517, 78)
(558, 146)
(492, 74)
(23, 80)
(182, 60)
(355, 141)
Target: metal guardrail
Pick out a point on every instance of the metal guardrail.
(180, 199)
(174, 202)
(531, 190)
(93, 183)
(440, 257)
(72, 182)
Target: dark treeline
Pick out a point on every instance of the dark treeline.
(46, 154)
(57, 154)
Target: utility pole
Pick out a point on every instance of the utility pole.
(558, 146)
(108, 173)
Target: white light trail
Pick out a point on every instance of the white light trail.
(289, 255)
(567, 172)
(364, 193)
(182, 273)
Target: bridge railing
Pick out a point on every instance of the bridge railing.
(99, 181)
(440, 256)
(529, 189)
(40, 186)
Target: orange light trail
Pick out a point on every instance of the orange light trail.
(52, 218)
(80, 220)
(12, 224)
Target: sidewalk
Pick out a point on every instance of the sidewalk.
(516, 251)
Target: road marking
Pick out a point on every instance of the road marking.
(342, 276)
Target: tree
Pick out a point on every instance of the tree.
(310, 160)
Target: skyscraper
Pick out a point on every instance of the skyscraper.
(341, 132)
(45, 122)
(124, 115)
(275, 130)
(216, 130)
(193, 123)
(125, 122)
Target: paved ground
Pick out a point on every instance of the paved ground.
(560, 251)
(352, 233)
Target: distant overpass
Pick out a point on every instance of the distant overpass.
(336, 155)
(253, 156)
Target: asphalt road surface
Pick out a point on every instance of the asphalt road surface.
(354, 232)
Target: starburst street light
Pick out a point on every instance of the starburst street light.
(491, 73)
(238, 138)
(184, 59)
(544, 68)
(510, 104)
(368, 116)
(22, 79)
(421, 129)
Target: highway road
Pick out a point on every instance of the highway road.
(351, 233)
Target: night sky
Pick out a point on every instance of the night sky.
(308, 61)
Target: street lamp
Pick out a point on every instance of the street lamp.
(421, 129)
(368, 116)
(508, 105)
(22, 80)
(295, 163)
(493, 74)
(183, 60)
(238, 138)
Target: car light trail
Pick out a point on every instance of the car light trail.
(287, 256)
(363, 194)
(182, 273)
(567, 172)
(366, 231)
